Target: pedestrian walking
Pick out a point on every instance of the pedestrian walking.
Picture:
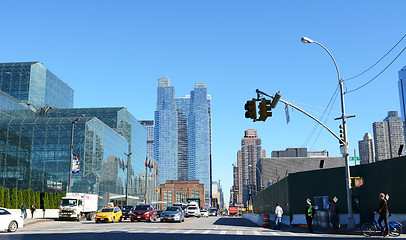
(24, 210)
(278, 216)
(32, 210)
(333, 212)
(383, 214)
(309, 215)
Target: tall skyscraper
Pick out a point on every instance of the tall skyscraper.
(199, 138)
(402, 95)
(166, 132)
(188, 130)
(367, 149)
(388, 136)
(251, 152)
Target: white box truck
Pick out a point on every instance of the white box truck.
(78, 205)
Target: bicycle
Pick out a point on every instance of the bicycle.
(372, 227)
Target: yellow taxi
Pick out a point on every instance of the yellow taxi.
(109, 214)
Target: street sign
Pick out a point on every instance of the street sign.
(355, 159)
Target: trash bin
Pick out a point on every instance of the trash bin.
(321, 218)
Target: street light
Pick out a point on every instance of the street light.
(344, 149)
(260, 176)
(126, 183)
(71, 157)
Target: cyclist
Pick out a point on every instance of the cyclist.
(383, 214)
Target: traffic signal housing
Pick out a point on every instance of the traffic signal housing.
(250, 108)
(357, 182)
(264, 109)
(341, 136)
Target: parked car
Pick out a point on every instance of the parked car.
(126, 211)
(173, 213)
(204, 213)
(10, 221)
(109, 214)
(143, 212)
(192, 211)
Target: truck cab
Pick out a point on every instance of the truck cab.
(78, 205)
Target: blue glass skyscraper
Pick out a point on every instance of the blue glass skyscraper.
(184, 126)
(199, 138)
(402, 95)
(166, 132)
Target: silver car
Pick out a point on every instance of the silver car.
(173, 214)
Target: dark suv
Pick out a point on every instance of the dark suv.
(126, 211)
(143, 212)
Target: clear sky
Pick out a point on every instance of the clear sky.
(112, 53)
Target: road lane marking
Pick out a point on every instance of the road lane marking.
(206, 232)
(182, 223)
(190, 231)
(239, 232)
(256, 232)
(223, 232)
(175, 231)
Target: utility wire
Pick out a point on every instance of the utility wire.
(377, 61)
(323, 115)
(378, 73)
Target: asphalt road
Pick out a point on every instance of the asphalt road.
(213, 228)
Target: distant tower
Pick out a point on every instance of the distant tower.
(367, 149)
(149, 126)
(166, 132)
(388, 136)
(247, 159)
(402, 95)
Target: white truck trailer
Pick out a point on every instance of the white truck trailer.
(78, 205)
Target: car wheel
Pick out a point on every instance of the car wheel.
(183, 220)
(162, 220)
(97, 221)
(12, 227)
(120, 219)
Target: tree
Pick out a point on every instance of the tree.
(26, 197)
(20, 198)
(1, 196)
(7, 198)
(14, 199)
(45, 199)
(32, 197)
(37, 199)
(51, 201)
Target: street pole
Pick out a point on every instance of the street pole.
(126, 183)
(351, 222)
(71, 157)
(146, 182)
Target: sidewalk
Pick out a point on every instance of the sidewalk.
(317, 229)
(31, 221)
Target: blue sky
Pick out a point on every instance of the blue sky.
(112, 53)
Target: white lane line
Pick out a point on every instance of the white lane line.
(190, 231)
(174, 231)
(216, 227)
(239, 232)
(256, 232)
(206, 232)
(223, 232)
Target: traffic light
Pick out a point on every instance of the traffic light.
(275, 100)
(250, 108)
(357, 182)
(264, 109)
(341, 135)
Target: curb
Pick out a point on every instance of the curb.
(37, 221)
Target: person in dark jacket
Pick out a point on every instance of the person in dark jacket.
(310, 212)
(383, 213)
(333, 212)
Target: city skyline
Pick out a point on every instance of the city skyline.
(112, 54)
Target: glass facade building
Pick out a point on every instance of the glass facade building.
(35, 145)
(184, 124)
(32, 83)
(166, 132)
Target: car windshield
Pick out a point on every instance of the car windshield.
(68, 202)
(141, 207)
(107, 210)
(192, 208)
(127, 207)
(203, 211)
(172, 209)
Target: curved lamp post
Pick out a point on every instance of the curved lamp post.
(71, 156)
(344, 149)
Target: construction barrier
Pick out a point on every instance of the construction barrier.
(265, 220)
